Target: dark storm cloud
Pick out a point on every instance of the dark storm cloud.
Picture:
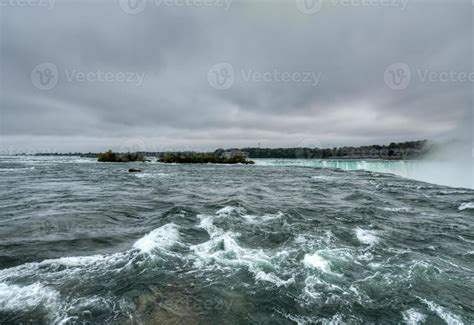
(298, 78)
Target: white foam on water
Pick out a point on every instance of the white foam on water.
(443, 313)
(83, 305)
(401, 209)
(367, 237)
(335, 320)
(160, 238)
(262, 219)
(299, 320)
(323, 177)
(210, 252)
(413, 317)
(81, 261)
(467, 205)
(454, 264)
(63, 267)
(304, 320)
(150, 175)
(320, 239)
(226, 211)
(466, 240)
(222, 250)
(365, 256)
(83, 161)
(301, 239)
(273, 278)
(16, 169)
(318, 290)
(207, 223)
(309, 292)
(67, 267)
(448, 192)
(318, 262)
(14, 297)
(419, 268)
(375, 266)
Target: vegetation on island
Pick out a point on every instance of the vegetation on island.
(204, 158)
(110, 156)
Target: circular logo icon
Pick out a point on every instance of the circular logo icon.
(132, 7)
(397, 76)
(45, 76)
(309, 7)
(221, 76)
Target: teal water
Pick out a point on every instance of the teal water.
(279, 242)
(456, 173)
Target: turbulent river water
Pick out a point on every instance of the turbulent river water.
(278, 242)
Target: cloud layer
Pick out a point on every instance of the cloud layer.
(176, 74)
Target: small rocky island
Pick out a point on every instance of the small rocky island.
(110, 156)
(219, 156)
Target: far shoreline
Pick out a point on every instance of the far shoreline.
(410, 150)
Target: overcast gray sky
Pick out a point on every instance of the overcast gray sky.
(202, 74)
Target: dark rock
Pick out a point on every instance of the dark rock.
(133, 170)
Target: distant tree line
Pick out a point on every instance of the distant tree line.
(402, 150)
(203, 158)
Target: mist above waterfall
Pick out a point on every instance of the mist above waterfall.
(450, 158)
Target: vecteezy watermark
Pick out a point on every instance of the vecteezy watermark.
(49, 4)
(104, 76)
(398, 76)
(275, 75)
(186, 307)
(45, 76)
(225, 4)
(426, 75)
(133, 7)
(311, 7)
(222, 76)
(188, 303)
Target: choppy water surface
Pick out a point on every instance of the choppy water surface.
(85, 242)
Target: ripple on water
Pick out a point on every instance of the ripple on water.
(349, 252)
(367, 237)
(466, 205)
